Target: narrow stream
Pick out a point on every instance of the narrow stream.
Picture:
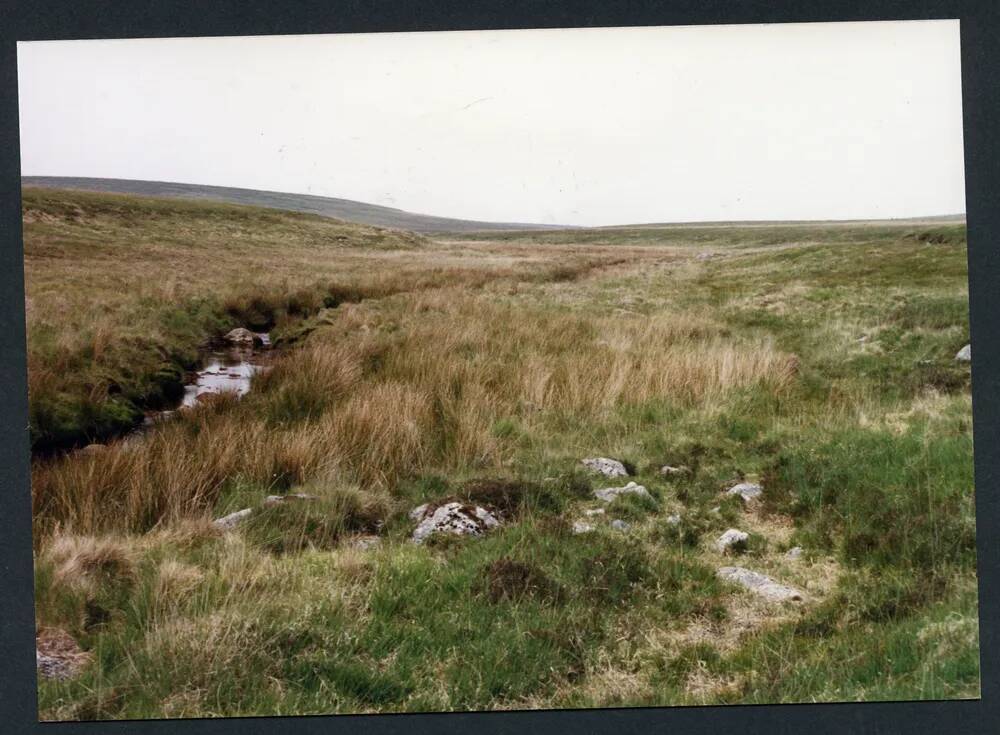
(226, 370)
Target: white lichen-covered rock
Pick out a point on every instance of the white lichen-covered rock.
(271, 500)
(608, 494)
(581, 527)
(594, 512)
(231, 521)
(607, 467)
(746, 490)
(732, 540)
(240, 336)
(620, 525)
(455, 518)
(964, 354)
(671, 471)
(760, 584)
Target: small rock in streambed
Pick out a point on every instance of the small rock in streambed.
(271, 500)
(581, 527)
(231, 521)
(240, 336)
(607, 467)
(620, 525)
(455, 518)
(964, 354)
(746, 490)
(608, 494)
(732, 540)
(760, 584)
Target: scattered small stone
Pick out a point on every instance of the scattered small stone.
(760, 584)
(668, 470)
(746, 490)
(794, 553)
(620, 525)
(594, 512)
(271, 500)
(610, 493)
(965, 354)
(231, 521)
(581, 527)
(607, 467)
(732, 540)
(240, 336)
(454, 518)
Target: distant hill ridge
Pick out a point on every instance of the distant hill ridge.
(344, 209)
(375, 214)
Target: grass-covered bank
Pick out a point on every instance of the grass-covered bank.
(483, 370)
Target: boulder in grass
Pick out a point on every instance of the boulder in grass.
(620, 525)
(240, 336)
(605, 466)
(231, 521)
(794, 553)
(964, 354)
(732, 540)
(458, 519)
(760, 584)
(746, 490)
(608, 494)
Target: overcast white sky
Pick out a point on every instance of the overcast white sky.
(580, 126)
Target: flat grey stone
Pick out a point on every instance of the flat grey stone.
(280, 499)
(731, 539)
(760, 584)
(964, 354)
(581, 527)
(746, 490)
(607, 467)
(231, 521)
(669, 470)
(794, 553)
(608, 494)
(620, 525)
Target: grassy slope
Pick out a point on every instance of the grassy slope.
(498, 358)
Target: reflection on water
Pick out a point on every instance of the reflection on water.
(224, 372)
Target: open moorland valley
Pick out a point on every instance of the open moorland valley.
(285, 463)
